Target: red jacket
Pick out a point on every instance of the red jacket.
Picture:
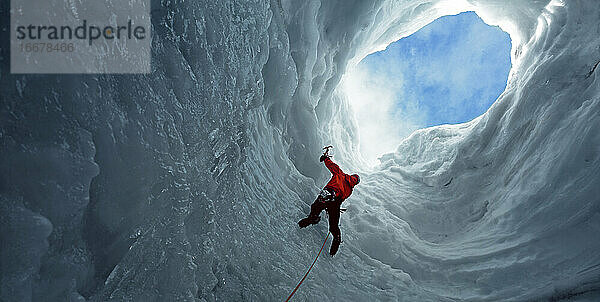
(340, 182)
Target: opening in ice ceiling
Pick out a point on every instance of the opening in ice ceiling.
(448, 72)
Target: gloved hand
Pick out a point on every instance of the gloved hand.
(323, 157)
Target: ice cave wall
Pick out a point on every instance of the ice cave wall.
(185, 184)
(504, 207)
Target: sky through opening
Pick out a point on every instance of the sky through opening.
(448, 72)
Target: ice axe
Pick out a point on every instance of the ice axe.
(326, 152)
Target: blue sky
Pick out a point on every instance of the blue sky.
(448, 72)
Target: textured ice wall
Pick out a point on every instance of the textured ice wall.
(186, 184)
(505, 207)
(129, 171)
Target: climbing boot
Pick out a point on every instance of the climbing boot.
(335, 245)
(308, 221)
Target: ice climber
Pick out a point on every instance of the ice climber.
(330, 199)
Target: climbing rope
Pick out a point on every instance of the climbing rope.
(294, 291)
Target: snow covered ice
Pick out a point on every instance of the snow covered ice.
(186, 184)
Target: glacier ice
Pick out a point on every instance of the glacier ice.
(186, 184)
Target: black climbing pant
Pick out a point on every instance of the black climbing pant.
(332, 205)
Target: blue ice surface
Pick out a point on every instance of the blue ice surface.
(452, 70)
